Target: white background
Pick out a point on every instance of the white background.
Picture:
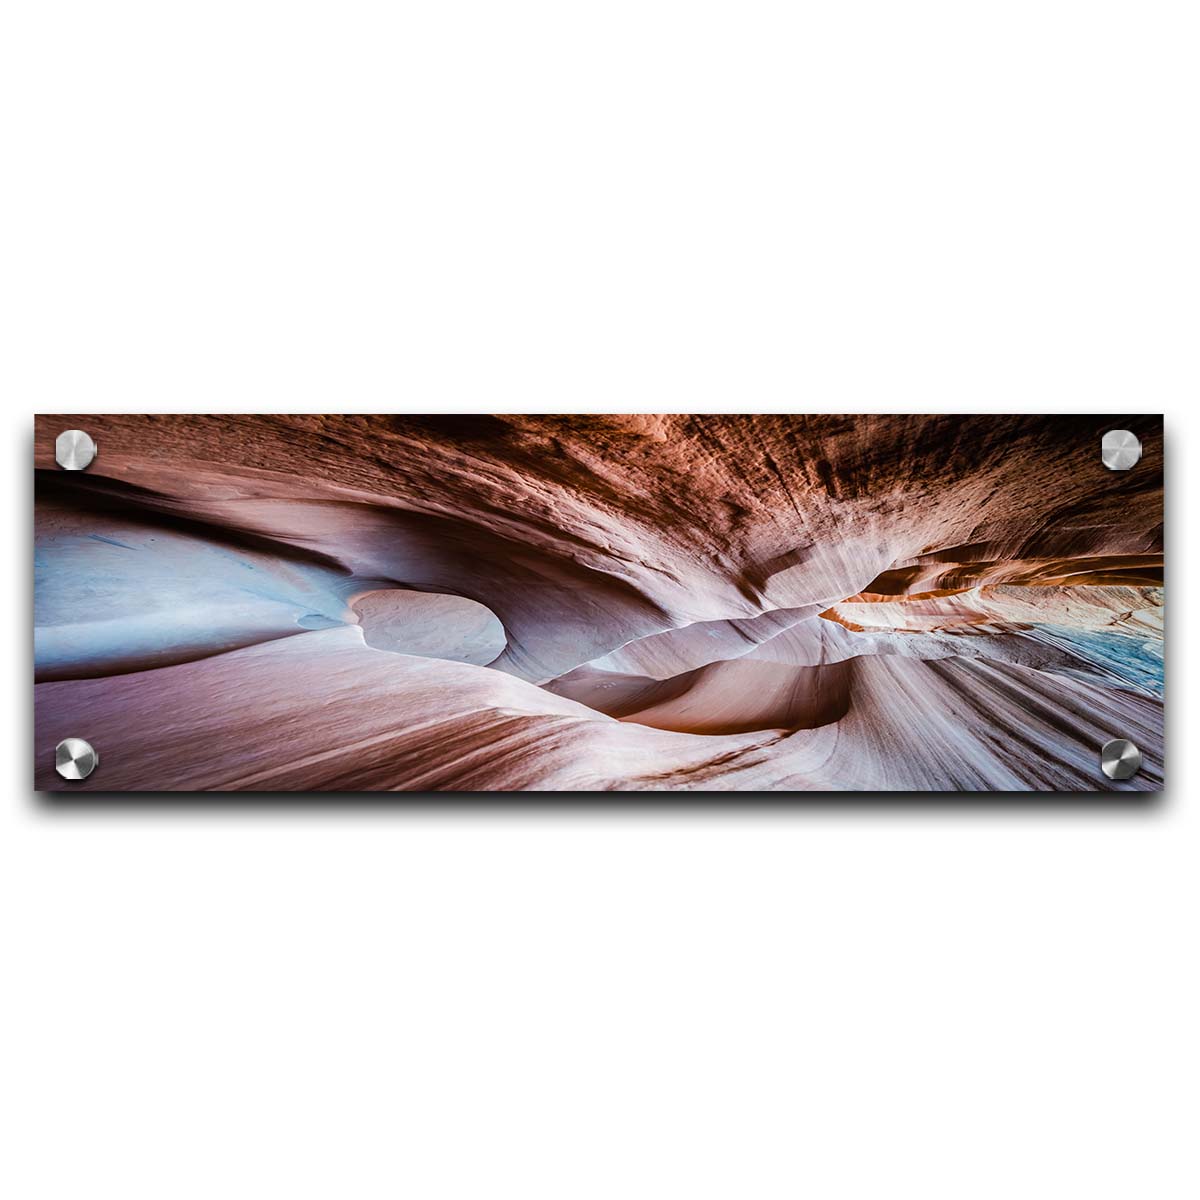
(447, 206)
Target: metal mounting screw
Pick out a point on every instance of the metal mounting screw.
(74, 450)
(75, 759)
(1120, 759)
(1120, 449)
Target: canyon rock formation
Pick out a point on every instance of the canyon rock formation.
(585, 603)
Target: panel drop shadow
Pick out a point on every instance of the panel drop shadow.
(616, 803)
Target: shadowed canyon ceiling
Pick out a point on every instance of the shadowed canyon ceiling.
(586, 603)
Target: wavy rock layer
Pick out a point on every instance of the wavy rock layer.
(587, 603)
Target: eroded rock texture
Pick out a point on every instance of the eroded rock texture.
(599, 602)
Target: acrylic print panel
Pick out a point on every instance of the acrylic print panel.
(587, 603)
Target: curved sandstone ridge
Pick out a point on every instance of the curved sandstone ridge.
(723, 697)
(588, 602)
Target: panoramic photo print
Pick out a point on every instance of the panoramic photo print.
(590, 603)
